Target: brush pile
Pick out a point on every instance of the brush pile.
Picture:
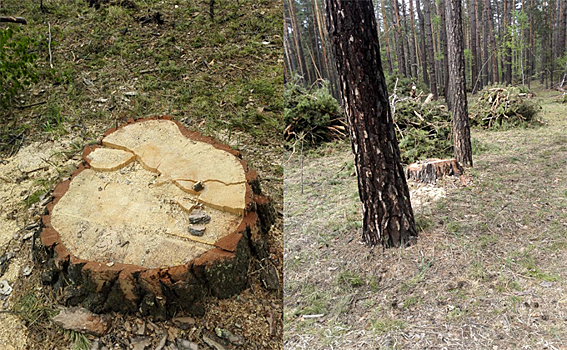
(423, 129)
(312, 115)
(498, 106)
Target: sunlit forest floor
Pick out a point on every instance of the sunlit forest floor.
(489, 270)
(135, 59)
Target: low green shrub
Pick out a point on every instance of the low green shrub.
(312, 114)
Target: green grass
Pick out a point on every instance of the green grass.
(385, 325)
(31, 308)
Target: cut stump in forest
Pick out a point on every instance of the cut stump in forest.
(154, 218)
(428, 171)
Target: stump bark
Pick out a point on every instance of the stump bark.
(430, 170)
(153, 219)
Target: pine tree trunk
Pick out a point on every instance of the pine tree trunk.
(410, 58)
(423, 47)
(430, 54)
(388, 216)
(506, 37)
(399, 41)
(297, 40)
(458, 96)
(445, 63)
(473, 44)
(387, 36)
(492, 41)
(413, 40)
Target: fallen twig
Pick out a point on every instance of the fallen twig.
(49, 45)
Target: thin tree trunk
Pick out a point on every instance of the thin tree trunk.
(399, 41)
(422, 40)
(458, 95)
(430, 54)
(297, 40)
(491, 40)
(413, 40)
(386, 35)
(473, 44)
(410, 59)
(445, 63)
(506, 37)
(388, 216)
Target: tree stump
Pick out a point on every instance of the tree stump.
(152, 220)
(430, 170)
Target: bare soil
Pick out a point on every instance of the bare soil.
(488, 270)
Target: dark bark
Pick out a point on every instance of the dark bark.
(458, 96)
(388, 216)
(422, 45)
(430, 55)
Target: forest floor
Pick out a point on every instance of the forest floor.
(137, 59)
(489, 270)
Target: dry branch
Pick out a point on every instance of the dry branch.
(12, 19)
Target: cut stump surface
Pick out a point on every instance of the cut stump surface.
(154, 218)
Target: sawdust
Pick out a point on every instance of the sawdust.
(20, 177)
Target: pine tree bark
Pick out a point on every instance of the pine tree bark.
(492, 41)
(430, 54)
(387, 36)
(422, 45)
(297, 41)
(473, 44)
(388, 217)
(444, 61)
(506, 37)
(458, 95)
(413, 40)
(400, 55)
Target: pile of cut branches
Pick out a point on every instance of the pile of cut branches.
(498, 106)
(312, 115)
(423, 129)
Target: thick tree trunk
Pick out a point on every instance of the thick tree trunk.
(458, 96)
(430, 54)
(473, 44)
(388, 216)
(423, 47)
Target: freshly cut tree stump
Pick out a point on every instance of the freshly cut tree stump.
(154, 218)
(430, 170)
